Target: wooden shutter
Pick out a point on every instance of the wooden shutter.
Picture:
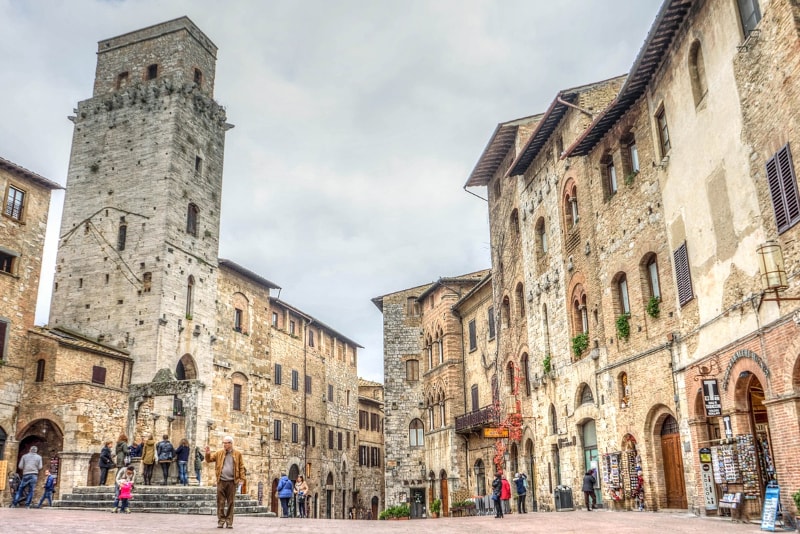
(783, 189)
(683, 276)
(98, 375)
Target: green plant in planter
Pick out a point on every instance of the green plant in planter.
(436, 506)
(547, 364)
(796, 498)
(630, 177)
(623, 326)
(654, 307)
(579, 344)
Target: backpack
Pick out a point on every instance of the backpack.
(199, 457)
(165, 451)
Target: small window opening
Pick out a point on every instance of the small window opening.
(152, 72)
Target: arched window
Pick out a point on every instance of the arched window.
(480, 477)
(697, 72)
(514, 222)
(526, 373)
(571, 204)
(519, 295)
(553, 420)
(512, 385)
(650, 264)
(415, 434)
(440, 345)
(498, 188)
(442, 412)
(191, 219)
(189, 296)
(241, 313)
(609, 174)
(630, 156)
(541, 236)
(621, 286)
(431, 414)
(586, 395)
(186, 368)
(40, 370)
(429, 351)
(580, 316)
(122, 234)
(506, 313)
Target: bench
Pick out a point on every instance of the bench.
(731, 502)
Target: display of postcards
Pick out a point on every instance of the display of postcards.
(716, 464)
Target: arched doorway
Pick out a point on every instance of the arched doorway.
(529, 466)
(445, 494)
(329, 496)
(759, 422)
(48, 439)
(374, 507)
(480, 477)
(590, 455)
(672, 460)
(273, 499)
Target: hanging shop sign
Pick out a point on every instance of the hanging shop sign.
(495, 432)
(711, 397)
(707, 475)
(726, 422)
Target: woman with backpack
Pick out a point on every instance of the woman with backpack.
(165, 453)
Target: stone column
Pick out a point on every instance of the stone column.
(73, 471)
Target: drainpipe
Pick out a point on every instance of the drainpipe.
(573, 106)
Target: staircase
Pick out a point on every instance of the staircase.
(159, 499)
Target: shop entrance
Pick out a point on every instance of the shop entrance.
(760, 423)
(590, 456)
(418, 503)
(673, 463)
(445, 494)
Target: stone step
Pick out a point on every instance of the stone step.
(158, 499)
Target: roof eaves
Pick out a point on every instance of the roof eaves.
(22, 171)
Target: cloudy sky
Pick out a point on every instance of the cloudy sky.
(357, 124)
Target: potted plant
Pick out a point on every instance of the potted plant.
(580, 343)
(623, 326)
(436, 507)
(653, 307)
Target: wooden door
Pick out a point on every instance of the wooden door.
(445, 496)
(673, 464)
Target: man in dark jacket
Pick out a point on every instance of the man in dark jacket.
(588, 490)
(497, 486)
(520, 480)
(106, 461)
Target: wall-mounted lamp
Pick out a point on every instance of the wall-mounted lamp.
(209, 424)
(773, 272)
(155, 417)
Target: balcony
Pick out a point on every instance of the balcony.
(486, 416)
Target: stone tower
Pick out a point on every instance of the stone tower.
(137, 259)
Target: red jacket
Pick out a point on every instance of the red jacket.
(505, 490)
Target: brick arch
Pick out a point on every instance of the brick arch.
(791, 360)
(697, 409)
(38, 415)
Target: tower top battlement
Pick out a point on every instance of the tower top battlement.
(176, 49)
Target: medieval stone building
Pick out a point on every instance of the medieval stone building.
(150, 331)
(655, 268)
(369, 487)
(23, 219)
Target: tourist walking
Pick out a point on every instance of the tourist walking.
(182, 455)
(588, 490)
(106, 461)
(165, 453)
(285, 492)
(31, 464)
(49, 486)
(148, 459)
(228, 473)
(497, 487)
(301, 489)
(505, 494)
(521, 481)
(198, 463)
(122, 452)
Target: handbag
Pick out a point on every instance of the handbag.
(127, 460)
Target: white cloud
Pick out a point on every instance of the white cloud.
(357, 124)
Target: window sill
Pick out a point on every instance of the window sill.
(10, 275)
(11, 218)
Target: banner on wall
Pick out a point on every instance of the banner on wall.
(707, 476)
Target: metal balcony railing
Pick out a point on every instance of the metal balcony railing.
(486, 416)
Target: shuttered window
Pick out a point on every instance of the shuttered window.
(98, 375)
(682, 275)
(783, 189)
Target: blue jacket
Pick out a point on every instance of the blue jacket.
(50, 484)
(285, 488)
(520, 482)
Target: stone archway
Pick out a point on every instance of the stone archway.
(47, 437)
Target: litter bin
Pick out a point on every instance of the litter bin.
(563, 499)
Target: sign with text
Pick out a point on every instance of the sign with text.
(770, 511)
(709, 492)
(495, 432)
(726, 422)
(711, 398)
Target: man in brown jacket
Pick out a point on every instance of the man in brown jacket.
(230, 472)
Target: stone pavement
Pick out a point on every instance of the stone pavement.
(54, 520)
